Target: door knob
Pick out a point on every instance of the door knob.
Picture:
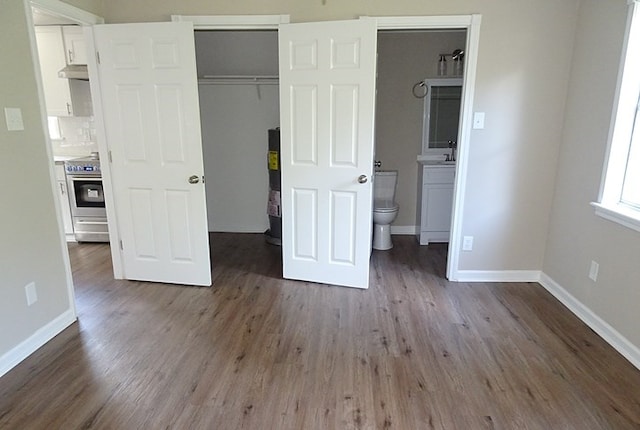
(362, 179)
(194, 179)
(377, 163)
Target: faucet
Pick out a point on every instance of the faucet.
(452, 156)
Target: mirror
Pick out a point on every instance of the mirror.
(441, 113)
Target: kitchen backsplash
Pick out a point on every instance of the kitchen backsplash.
(76, 135)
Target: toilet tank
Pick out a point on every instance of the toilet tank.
(384, 185)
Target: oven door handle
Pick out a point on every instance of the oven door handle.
(85, 178)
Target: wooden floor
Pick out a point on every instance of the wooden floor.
(257, 352)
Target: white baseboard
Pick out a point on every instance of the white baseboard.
(496, 276)
(43, 335)
(404, 229)
(597, 324)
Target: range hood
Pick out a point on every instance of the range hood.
(74, 72)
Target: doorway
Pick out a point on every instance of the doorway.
(57, 14)
(63, 71)
(471, 24)
(405, 59)
(239, 103)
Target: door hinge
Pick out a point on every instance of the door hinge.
(98, 56)
(121, 246)
(110, 157)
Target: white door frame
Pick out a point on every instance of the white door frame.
(233, 22)
(64, 10)
(471, 23)
(82, 17)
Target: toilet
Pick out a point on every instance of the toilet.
(385, 208)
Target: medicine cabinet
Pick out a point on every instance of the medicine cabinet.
(441, 113)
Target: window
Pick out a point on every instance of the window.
(620, 191)
(631, 185)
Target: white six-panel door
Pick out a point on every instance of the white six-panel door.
(148, 86)
(327, 84)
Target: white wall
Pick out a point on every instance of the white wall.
(31, 242)
(245, 52)
(576, 235)
(235, 120)
(405, 58)
(235, 143)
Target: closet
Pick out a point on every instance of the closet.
(239, 103)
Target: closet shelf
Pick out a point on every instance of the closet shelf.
(237, 80)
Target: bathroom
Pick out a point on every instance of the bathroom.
(404, 59)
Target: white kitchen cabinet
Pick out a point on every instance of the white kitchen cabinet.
(75, 47)
(435, 202)
(57, 95)
(61, 182)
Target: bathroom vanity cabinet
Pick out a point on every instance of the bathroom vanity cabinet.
(435, 201)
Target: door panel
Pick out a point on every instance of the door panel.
(327, 84)
(305, 230)
(344, 137)
(304, 102)
(171, 133)
(343, 227)
(178, 217)
(150, 106)
(141, 205)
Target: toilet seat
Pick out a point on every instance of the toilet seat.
(385, 210)
(384, 206)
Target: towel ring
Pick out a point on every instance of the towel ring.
(418, 95)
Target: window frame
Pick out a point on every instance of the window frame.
(627, 97)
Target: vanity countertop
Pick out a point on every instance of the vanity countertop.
(437, 163)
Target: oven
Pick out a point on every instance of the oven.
(86, 199)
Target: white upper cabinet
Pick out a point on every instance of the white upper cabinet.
(51, 55)
(75, 48)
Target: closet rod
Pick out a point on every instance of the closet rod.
(237, 80)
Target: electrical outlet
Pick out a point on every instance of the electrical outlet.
(30, 291)
(467, 243)
(593, 271)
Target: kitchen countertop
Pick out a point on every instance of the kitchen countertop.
(63, 158)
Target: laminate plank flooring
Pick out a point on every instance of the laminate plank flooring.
(258, 352)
